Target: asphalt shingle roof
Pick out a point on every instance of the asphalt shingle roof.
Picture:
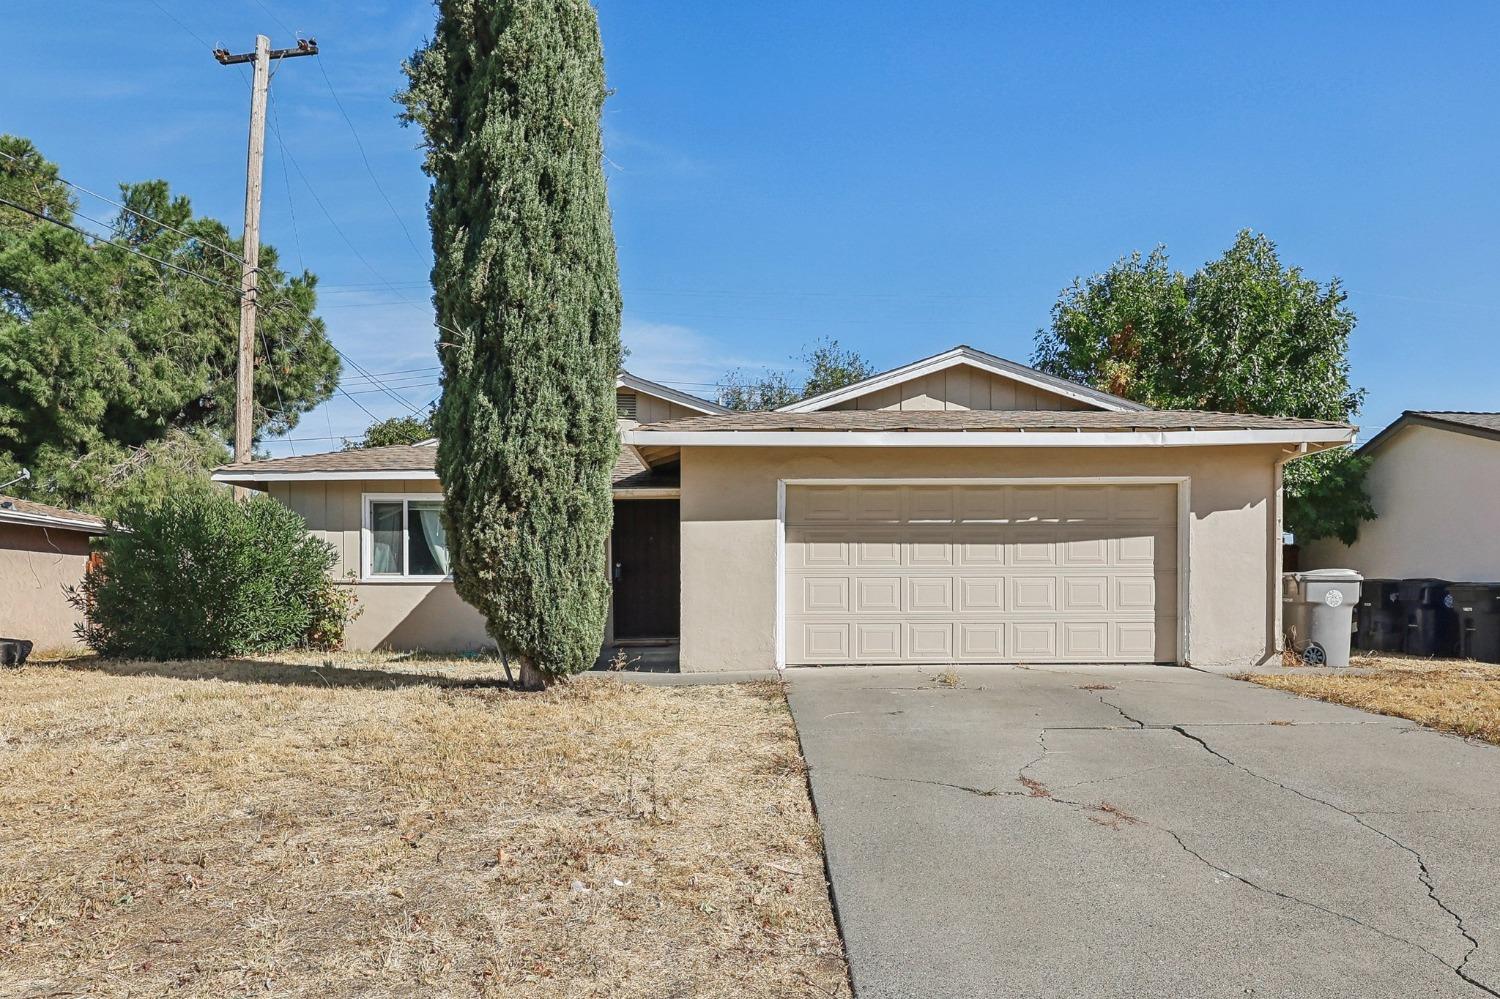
(10, 504)
(884, 420)
(1480, 421)
(629, 469)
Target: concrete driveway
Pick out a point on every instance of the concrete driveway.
(1146, 831)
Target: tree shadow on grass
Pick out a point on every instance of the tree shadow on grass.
(328, 674)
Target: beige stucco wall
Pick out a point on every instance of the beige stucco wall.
(395, 615)
(1435, 494)
(729, 534)
(961, 387)
(37, 564)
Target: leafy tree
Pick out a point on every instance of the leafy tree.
(104, 352)
(508, 95)
(829, 366)
(395, 430)
(199, 574)
(1243, 334)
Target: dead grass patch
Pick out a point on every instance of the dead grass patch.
(1451, 695)
(396, 826)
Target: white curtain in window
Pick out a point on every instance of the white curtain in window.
(385, 532)
(433, 531)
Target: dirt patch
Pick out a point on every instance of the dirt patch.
(1451, 695)
(393, 826)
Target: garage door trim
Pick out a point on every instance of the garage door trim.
(1184, 533)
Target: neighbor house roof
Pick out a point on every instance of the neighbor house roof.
(964, 354)
(638, 384)
(1013, 428)
(1474, 424)
(399, 461)
(19, 511)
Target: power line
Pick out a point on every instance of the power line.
(121, 246)
(126, 208)
(286, 178)
(368, 168)
(173, 17)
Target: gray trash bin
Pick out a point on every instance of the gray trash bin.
(1318, 614)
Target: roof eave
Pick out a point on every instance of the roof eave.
(19, 518)
(1411, 418)
(248, 476)
(1330, 436)
(638, 384)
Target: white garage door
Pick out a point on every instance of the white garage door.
(977, 573)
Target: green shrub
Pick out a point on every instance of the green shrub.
(201, 574)
(333, 607)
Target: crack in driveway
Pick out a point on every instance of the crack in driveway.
(1036, 790)
(1423, 873)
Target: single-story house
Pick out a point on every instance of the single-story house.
(1434, 481)
(961, 508)
(43, 551)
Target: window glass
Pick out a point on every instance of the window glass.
(429, 539)
(386, 558)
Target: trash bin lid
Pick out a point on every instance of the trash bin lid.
(1329, 576)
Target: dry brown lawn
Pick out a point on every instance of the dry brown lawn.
(1452, 695)
(386, 827)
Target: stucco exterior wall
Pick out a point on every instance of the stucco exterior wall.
(1435, 494)
(37, 564)
(961, 387)
(729, 535)
(396, 614)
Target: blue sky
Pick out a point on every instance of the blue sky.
(902, 177)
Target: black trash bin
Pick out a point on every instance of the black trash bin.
(1426, 616)
(1477, 609)
(1379, 620)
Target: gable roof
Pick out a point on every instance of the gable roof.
(638, 384)
(1485, 425)
(964, 354)
(27, 513)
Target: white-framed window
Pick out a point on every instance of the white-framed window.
(403, 538)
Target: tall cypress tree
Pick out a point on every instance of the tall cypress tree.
(509, 95)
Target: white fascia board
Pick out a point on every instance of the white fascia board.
(979, 438)
(942, 362)
(46, 520)
(638, 384)
(385, 473)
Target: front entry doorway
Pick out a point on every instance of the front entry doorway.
(646, 557)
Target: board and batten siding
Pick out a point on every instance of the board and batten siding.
(961, 387)
(396, 614)
(650, 409)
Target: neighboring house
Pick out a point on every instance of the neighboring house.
(1434, 482)
(962, 508)
(43, 551)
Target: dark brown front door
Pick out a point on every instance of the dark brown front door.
(646, 549)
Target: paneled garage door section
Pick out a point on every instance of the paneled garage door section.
(976, 573)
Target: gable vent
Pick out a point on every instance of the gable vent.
(625, 405)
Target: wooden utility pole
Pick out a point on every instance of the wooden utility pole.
(244, 381)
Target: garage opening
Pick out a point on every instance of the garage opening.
(981, 573)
